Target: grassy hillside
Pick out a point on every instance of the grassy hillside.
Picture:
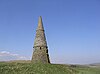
(29, 68)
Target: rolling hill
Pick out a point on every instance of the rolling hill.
(30, 68)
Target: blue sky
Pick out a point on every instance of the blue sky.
(72, 29)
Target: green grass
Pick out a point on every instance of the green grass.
(29, 68)
(89, 70)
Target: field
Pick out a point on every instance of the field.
(29, 68)
(88, 70)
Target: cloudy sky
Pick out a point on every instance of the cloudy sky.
(6, 56)
(72, 29)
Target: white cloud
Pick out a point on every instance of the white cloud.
(6, 56)
(4, 52)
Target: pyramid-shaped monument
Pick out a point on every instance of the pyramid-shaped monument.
(40, 54)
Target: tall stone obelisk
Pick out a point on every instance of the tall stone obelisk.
(40, 54)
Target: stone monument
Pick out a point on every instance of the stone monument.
(40, 53)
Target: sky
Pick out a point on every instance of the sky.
(72, 29)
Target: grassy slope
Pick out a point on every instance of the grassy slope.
(29, 68)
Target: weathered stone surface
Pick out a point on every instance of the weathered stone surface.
(40, 54)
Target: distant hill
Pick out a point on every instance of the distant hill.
(19, 61)
(95, 65)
